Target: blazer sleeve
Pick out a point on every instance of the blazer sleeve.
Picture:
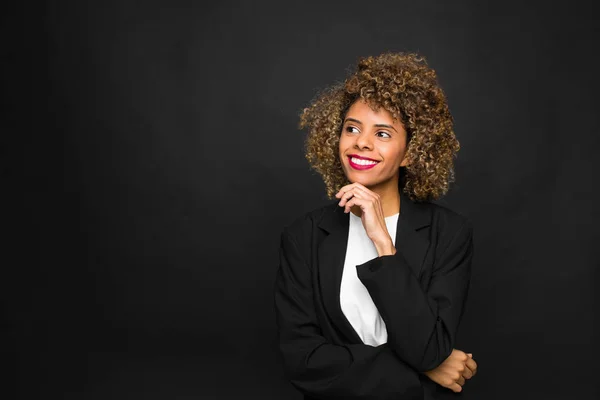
(321, 369)
(422, 324)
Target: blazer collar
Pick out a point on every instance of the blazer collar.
(412, 215)
(332, 252)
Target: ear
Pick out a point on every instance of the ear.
(404, 161)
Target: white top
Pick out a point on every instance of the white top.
(355, 300)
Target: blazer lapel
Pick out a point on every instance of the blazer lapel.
(413, 216)
(331, 257)
(332, 253)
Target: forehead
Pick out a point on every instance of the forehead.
(366, 114)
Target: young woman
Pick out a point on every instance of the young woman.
(371, 287)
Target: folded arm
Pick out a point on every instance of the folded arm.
(421, 323)
(322, 369)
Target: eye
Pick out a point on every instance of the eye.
(350, 129)
(385, 133)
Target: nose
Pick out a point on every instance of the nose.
(363, 141)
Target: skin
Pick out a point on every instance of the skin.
(373, 195)
(454, 371)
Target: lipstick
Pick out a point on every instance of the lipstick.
(359, 166)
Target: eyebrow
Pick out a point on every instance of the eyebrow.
(376, 125)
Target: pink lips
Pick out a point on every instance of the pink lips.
(358, 166)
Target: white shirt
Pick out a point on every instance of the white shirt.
(355, 300)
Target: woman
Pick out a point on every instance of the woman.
(371, 288)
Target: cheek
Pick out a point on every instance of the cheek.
(397, 156)
(341, 147)
(340, 155)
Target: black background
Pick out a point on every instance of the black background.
(151, 157)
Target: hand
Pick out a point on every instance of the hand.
(372, 216)
(453, 372)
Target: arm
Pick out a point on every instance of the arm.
(422, 324)
(321, 369)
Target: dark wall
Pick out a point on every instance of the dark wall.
(151, 157)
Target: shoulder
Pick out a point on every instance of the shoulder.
(307, 222)
(442, 214)
(452, 227)
(303, 232)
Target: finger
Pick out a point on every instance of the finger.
(364, 189)
(365, 203)
(459, 355)
(375, 198)
(346, 196)
(346, 188)
(461, 381)
(351, 203)
(372, 199)
(363, 200)
(363, 193)
(358, 187)
(472, 372)
(472, 365)
(455, 387)
(467, 373)
(356, 201)
(343, 190)
(369, 200)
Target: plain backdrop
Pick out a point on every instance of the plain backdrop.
(151, 157)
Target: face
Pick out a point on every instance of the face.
(372, 147)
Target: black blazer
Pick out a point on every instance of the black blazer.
(420, 293)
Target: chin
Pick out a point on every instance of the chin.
(365, 182)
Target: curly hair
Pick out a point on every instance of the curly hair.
(405, 86)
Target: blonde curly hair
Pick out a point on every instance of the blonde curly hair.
(404, 85)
